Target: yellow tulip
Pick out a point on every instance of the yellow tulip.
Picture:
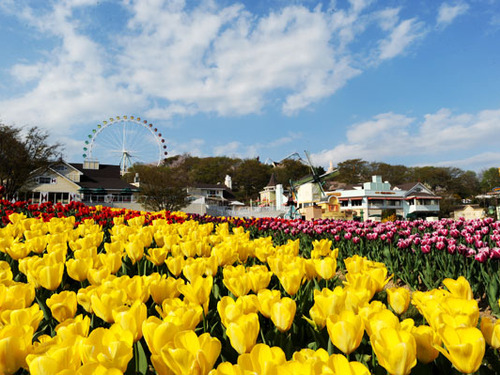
(59, 357)
(459, 288)
(198, 291)
(396, 350)
(78, 268)
(465, 347)
(356, 264)
(326, 303)
(283, 313)
(227, 368)
(259, 276)
(165, 287)
(250, 303)
(97, 276)
(5, 271)
(29, 316)
(111, 347)
(182, 313)
(380, 320)
(326, 267)
(345, 330)
(135, 250)
(194, 267)
(190, 354)
(157, 334)
(229, 310)
(292, 278)
(491, 331)
(239, 285)
(131, 318)
(455, 312)
(157, 255)
(426, 339)
(175, 264)
(262, 359)
(112, 261)
(266, 299)
(15, 345)
(78, 326)
(136, 287)
(62, 305)
(305, 355)
(18, 250)
(243, 332)
(399, 299)
(340, 365)
(37, 244)
(96, 369)
(321, 248)
(104, 304)
(361, 282)
(49, 276)
(83, 297)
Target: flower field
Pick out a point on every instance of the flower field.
(94, 290)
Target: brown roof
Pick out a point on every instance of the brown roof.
(272, 181)
(407, 186)
(107, 177)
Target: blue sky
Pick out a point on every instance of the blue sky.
(413, 82)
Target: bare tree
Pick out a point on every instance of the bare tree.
(23, 155)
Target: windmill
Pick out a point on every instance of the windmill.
(315, 178)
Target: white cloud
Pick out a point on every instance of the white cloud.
(240, 150)
(390, 135)
(448, 12)
(401, 37)
(193, 147)
(233, 149)
(170, 59)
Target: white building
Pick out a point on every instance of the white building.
(90, 182)
(369, 200)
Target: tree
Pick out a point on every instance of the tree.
(353, 171)
(22, 156)
(290, 170)
(161, 188)
(490, 178)
(395, 174)
(250, 177)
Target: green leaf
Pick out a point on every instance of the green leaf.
(141, 361)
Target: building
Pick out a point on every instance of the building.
(469, 212)
(90, 182)
(272, 195)
(368, 201)
(212, 194)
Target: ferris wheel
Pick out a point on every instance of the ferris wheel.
(126, 139)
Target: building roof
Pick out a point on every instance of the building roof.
(107, 177)
(226, 192)
(211, 186)
(272, 181)
(406, 186)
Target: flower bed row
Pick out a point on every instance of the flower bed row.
(107, 291)
(419, 253)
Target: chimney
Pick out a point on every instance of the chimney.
(91, 164)
(228, 182)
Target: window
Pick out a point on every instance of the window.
(59, 167)
(356, 202)
(46, 180)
